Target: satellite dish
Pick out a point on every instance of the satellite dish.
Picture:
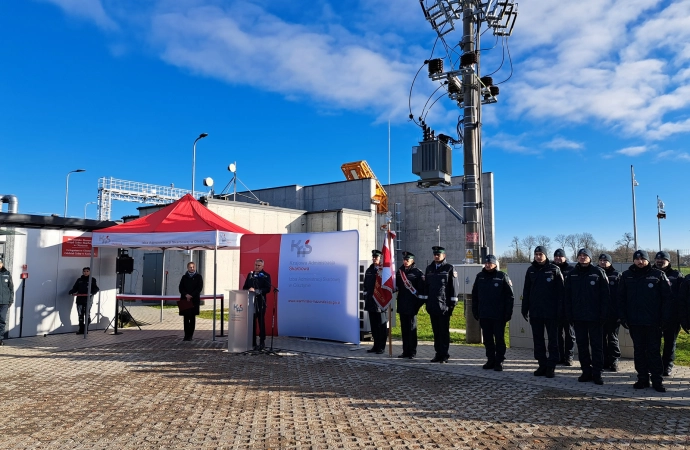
(208, 181)
(232, 168)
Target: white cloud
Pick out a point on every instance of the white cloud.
(509, 143)
(560, 143)
(673, 155)
(633, 151)
(91, 10)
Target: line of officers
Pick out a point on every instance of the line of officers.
(586, 304)
(583, 304)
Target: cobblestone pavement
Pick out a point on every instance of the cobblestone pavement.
(149, 389)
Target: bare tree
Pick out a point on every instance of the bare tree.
(587, 241)
(625, 243)
(528, 243)
(516, 243)
(561, 240)
(544, 241)
(572, 241)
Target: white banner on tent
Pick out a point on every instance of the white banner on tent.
(319, 285)
(181, 239)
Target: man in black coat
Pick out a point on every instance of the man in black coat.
(611, 345)
(672, 328)
(566, 332)
(409, 283)
(80, 290)
(586, 304)
(378, 321)
(258, 282)
(542, 305)
(645, 303)
(442, 285)
(492, 306)
(190, 289)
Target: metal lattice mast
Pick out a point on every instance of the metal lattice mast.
(110, 189)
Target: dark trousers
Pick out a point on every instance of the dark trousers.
(612, 349)
(670, 333)
(566, 339)
(260, 318)
(379, 329)
(3, 319)
(493, 332)
(189, 321)
(408, 327)
(551, 327)
(440, 324)
(589, 334)
(646, 344)
(82, 313)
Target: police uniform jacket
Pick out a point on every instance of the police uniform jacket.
(683, 302)
(586, 294)
(442, 286)
(644, 297)
(191, 285)
(6, 287)
(542, 294)
(565, 267)
(492, 296)
(409, 302)
(676, 279)
(370, 304)
(614, 276)
(81, 286)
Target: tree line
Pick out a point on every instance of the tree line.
(521, 249)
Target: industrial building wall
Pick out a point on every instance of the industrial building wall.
(417, 216)
(43, 296)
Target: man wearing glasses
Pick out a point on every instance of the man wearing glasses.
(259, 282)
(81, 290)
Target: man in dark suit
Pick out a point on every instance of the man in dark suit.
(259, 282)
(191, 286)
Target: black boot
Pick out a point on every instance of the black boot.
(550, 372)
(540, 372)
(81, 329)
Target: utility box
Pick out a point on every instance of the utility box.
(520, 330)
(467, 274)
(432, 161)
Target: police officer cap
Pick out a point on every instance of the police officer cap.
(606, 256)
(438, 249)
(86, 268)
(663, 255)
(490, 259)
(375, 253)
(540, 249)
(559, 252)
(585, 251)
(641, 254)
(408, 255)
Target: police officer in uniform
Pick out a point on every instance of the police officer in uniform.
(671, 330)
(492, 306)
(81, 287)
(442, 286)
(645, 303)
(612, 349)
(409, 283)
(259, 282)
(542, 306)
(566, 332)
(377, 317)
(586, 304)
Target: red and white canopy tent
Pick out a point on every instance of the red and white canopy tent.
(184, 224)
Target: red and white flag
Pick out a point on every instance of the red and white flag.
(385, 278)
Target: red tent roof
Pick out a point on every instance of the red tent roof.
(184, 215)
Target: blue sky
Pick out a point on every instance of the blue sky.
(292, 90)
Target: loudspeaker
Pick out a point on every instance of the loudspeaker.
(124, 264)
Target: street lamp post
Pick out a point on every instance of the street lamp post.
(634, 183)
(201, 136)
(660, 214)
(67, 188)
(87, 204)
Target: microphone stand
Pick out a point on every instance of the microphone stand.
(271, 351)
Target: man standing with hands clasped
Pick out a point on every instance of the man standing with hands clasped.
(259, 282)
(409, 283)
(190, 288)
(492, 306)
(442, 285)
(645, 306)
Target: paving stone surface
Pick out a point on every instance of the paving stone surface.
(150, 390)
